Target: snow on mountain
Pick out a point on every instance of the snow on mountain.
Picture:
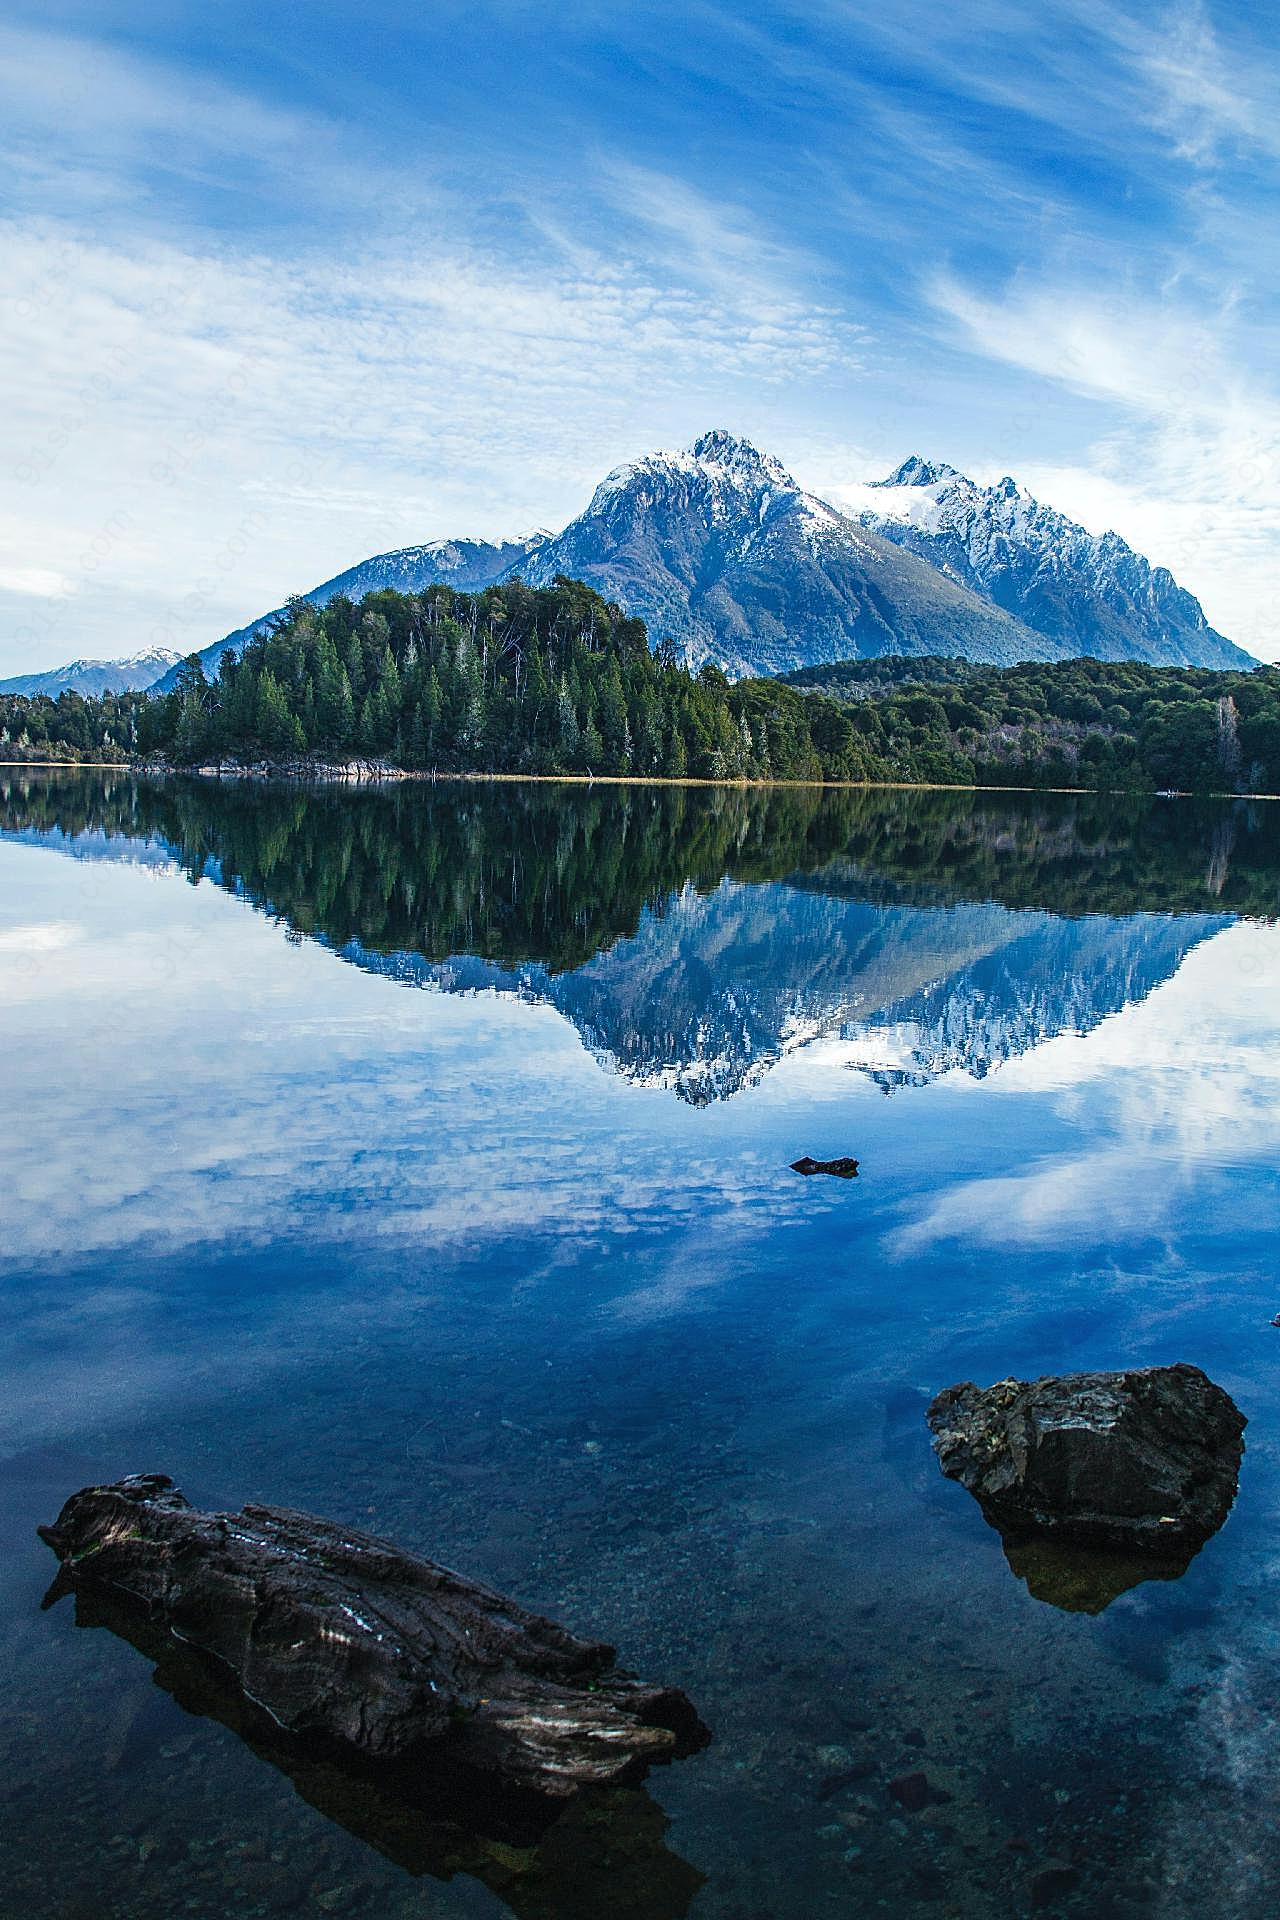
(92, 677)
(1092, 593)
(464, 564)
(718, 548)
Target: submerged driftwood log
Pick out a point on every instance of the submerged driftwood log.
(842, 1169)
(339, 1634)
(1146, 1459)
(601, 1852)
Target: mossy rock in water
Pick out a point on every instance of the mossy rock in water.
(1145, 1459)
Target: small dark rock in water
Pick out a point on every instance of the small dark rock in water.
(1276, 1321)
(912, 1792)
(835, 1783)
(339, 1634)
(842, 1169)
(1145, 1459)
(1050, 1886)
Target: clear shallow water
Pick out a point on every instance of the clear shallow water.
(520, 1277)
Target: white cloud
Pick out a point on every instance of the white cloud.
(85, 122)
(1192, 471)
(1203, 97)
(193, 435)
(712, 243)
(41, 583)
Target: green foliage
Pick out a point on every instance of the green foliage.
(1072, 723)
(511, 680)
(36, 728)
(556, 681)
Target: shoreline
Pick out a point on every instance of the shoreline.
(370, 774)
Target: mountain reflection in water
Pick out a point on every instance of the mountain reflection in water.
(281, 1227)
(693, 937)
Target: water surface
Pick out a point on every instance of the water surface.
(420, 1156)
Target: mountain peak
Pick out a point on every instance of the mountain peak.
(718, 448)
(915, 472)
(93, 678)
(718, 549)
(1085, 594)
(737, 475)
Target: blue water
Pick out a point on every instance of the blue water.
(421, 1159)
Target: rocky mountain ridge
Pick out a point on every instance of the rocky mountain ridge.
(719, 549)
(1091, 592)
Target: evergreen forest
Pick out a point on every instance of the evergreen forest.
(523, 681)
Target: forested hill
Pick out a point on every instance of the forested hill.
(557, 680)
(1082, 722)
(509, 680)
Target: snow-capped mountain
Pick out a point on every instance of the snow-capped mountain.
(467, 565)
(721, 550)
(91, 677)
(1090, 592)
(718, 548)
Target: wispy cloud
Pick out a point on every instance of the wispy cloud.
(257, 326)
(141, 139)
(711, 242)
(208, 415)
(1196, 445)
(197, 433)
(1203, 97)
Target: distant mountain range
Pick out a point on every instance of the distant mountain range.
(93, 677)
(718, 548)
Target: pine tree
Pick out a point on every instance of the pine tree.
(274, 724)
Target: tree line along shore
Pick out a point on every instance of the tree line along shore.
(557, 680)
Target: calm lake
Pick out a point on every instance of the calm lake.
(419, 1157)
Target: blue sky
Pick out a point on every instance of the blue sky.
(288, 285)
